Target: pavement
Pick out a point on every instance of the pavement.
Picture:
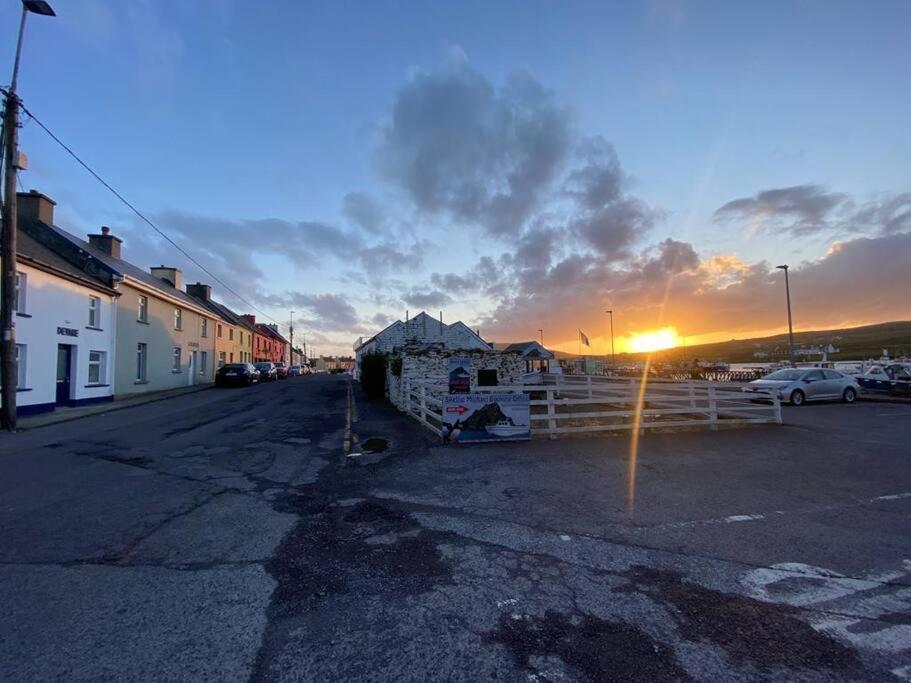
(227, 535)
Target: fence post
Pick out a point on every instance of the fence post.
(551, 413)
(692, 394)
(776, 402)
(423, 401)
(633, 395)
(588, 381)
(406, 404)
(713, 410)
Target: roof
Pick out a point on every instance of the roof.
(267, 331)
(33, 253)
(225, 313)
(89, 258)
(422, 314)
(529, 349)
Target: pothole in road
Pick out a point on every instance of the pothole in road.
(374, 444)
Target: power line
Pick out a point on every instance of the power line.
(137, 211)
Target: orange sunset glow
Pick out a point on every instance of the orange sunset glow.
(645, 342)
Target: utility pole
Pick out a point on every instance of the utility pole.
(8, 365)
(611, 314)
(291, 350)
(787, 291)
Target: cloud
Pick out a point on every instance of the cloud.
(365, 211)
(600, 180)
(888, 214)
(426, 298)
(326, 311)
(462, 148)
(613, 229)
(799, 210)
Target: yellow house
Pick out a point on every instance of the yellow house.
(233, 335)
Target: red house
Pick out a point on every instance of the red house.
(268, 344)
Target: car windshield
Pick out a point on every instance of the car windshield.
(235, 366)
(263, 366)
(785, 375)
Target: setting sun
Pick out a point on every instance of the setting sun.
(665, 338)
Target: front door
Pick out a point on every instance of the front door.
(64, 356)
(192, 369)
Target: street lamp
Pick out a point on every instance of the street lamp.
(8, 369)
(787, 291)
(611, 314)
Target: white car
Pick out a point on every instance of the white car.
(799, 385)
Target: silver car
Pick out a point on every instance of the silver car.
(798, 385)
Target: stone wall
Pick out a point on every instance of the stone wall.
(433, 367)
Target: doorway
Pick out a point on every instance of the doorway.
(191, 370)
(64, 382)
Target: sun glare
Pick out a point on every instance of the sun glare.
(665, 338)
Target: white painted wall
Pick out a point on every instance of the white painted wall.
(53, 302)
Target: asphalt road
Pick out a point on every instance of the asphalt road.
(224, 535)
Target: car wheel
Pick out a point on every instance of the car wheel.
(850, 395)
(797, 398)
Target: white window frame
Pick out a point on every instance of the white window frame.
(178, 319)
(95, 311)
(142, 313)
(21, 366)
(20, 293)
(142, 361)
(99, 364)
(203, 361)
(177, 359)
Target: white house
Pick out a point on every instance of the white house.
(65, 322)
(419, 330)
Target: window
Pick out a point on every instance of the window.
(178, 319)
(19, 293)
(203, 361)
(218, 330)
(221, 358)
(96, 367)
(204, 332)
(231, 357)
(831, 374)
(241, 336)
(487, 378)
(94, 311)
(230, 334)
(176, 365)
(143, 313)
(141, 357)
(21, 358)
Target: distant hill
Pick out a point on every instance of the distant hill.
(852, 343)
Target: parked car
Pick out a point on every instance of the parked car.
(798, 385)
(295, 371)
(267, 371)
(281, 368)
(236, 374)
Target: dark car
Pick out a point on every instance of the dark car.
(267, 372)
(282, 369)
(236, 374)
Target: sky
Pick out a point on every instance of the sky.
(516, 165)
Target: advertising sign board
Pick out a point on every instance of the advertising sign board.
(459, 375)
(473, 418)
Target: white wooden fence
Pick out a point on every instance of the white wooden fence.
(577, 404)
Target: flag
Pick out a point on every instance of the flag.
(583, 338)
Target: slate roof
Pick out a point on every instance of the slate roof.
(96, 263)
(32, 252)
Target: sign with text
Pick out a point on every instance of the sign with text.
(459, 375)
(474, 418)
(67, 332)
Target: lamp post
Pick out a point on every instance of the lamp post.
(8, 364)
(611, 314)
(787, 291)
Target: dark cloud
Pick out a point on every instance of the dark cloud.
(600, 179)
(463, 148)
(326, 311)
(450, 282)
(613, 229)
(799, 210)
(365, 211)
(886, 215)
(421, 298)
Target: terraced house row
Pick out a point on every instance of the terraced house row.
(91, 326)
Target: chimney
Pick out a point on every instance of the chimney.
(106, 242)
(33, 204)
(249, 318)
(170, 275)
(200, 291)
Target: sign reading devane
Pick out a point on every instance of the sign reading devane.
(472, 418)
